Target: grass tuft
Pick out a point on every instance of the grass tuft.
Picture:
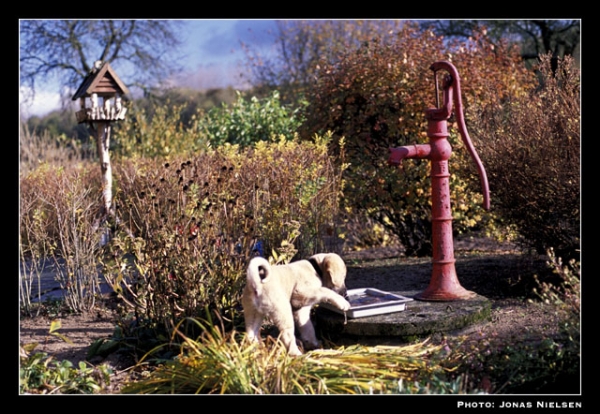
(218, 363)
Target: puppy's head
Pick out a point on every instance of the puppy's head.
(333, 270)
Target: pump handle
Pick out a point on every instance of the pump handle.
(453, 86)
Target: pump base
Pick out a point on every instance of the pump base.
(434, 295)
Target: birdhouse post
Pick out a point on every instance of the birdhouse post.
(100, 96)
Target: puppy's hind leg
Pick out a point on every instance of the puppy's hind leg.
(285, 324)
(253, 321)
(289, 339)
(306, 328)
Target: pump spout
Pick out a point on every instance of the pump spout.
(410, 151)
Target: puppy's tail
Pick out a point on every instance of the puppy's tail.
(259, 271)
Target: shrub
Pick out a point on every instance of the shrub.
(162, 134)
(188, 223)
(376, 96)
(196, 221)
(246, 122)
(532, 148)
(36, 149)
(58, 221)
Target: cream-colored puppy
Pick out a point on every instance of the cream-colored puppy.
(285, 295)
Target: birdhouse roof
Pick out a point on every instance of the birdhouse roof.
(103, 81)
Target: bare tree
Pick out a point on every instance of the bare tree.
(300, 45)
(535, 37)
(142, 51)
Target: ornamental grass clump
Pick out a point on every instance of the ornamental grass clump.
(226, 363)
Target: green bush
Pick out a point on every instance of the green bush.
(166, 130)
(375, 96)
(246, 122)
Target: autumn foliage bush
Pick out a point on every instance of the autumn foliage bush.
(376, 95)
(188, 225)
(158, 131)
(532, 147)
(185, 226)
(58, 223)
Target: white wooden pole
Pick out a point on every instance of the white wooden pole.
(103, 140)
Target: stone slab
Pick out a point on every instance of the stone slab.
(419, 319)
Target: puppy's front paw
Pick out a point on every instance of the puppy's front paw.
(343, 304)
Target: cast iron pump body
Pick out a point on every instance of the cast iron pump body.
(444, 284)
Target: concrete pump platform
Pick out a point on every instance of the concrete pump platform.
(419, 320)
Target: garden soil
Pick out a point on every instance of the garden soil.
(489, 268)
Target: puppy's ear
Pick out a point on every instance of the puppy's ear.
(326, 273)
(334, 271)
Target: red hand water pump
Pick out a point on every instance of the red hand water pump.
(444, 284)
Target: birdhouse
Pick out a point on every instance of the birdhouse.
(100, 95)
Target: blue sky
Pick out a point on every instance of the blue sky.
(212, 52)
